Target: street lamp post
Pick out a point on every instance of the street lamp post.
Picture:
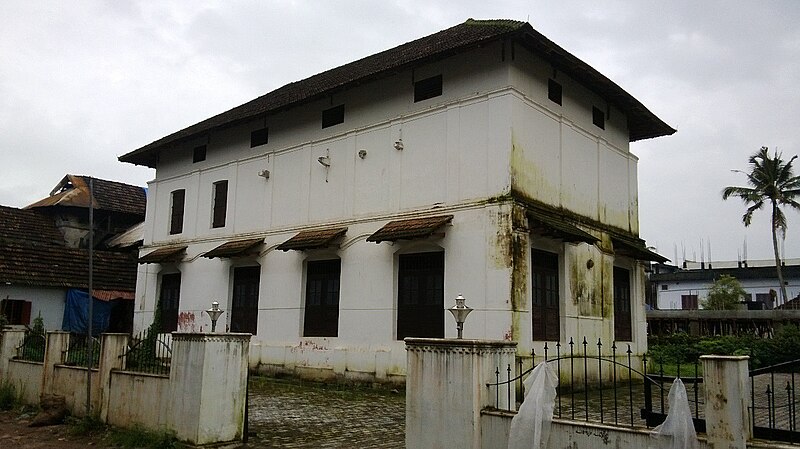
(214, 312)
(460, 312)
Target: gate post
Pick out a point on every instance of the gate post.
(727, 395)
(10, 340)
(55, 349)
(446, 389)
(208, 385)
(112, 350)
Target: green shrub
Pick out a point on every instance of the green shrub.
(8, 396)
(138, 437)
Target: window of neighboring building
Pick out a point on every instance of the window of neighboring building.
(545, 296)
(622, 305)
(664, 287)
(428, 88)
(176, 215)
(420, 295)
(554, 91)
(199, 154)
(598, 118)
(333, 116)
(766, 299)
(259, 137)
(322, 298)
(169, 301)
(220, 204)
(16, 311)
(244, 304)
(689, 302)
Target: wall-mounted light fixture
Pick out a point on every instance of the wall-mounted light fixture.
(398, 145)
(362, 153)
(325, 161)
(264, 174)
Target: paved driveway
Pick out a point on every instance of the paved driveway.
(291, 415)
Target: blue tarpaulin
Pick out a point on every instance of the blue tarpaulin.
(76, 313)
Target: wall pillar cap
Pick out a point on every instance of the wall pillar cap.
(735, 358)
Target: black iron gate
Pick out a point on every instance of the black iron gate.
(773, 402)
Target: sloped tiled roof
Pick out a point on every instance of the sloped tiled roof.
(73, 190)
(235, 248)
(32, 253)
(168, 254)
(414, 228)
(643, 124)
(319, 238)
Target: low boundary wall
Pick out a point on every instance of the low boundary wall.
(202, 400)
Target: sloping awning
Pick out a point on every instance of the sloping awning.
(235, 248)
(415, 228)
(635, 249)
(556, 227)
(164, 255)
(320, 238)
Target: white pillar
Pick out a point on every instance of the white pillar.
(112, 350)
(446, 389)
(208, 387)
(55, 349)
(726, 382)
(10, 340)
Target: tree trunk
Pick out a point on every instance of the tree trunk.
(777, 256)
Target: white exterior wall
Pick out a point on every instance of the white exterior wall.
(49, 302)
(492, 130)
(671, 298)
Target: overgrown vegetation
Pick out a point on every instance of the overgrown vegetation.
(685, 350)
(136, 437)
(8, 396)
(725, 294)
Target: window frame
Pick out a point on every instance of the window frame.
(17, 311)
(555, 91)
(169, 316)
(321, 314)
(199, 153)
(545, 267)
(428, 88)
(333, 116)
(243, 315)
(219, 203)
(177, 211)
(259, 137)
(623, 296)
(598, 117)
(410, 309)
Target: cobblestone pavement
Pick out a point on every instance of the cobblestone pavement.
(291, 415)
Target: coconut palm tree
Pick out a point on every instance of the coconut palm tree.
(772, 182)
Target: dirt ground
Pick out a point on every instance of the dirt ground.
(15, 433)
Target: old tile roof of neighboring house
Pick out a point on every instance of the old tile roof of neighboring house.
(710, 274)
(642, 123)
(73, 190)
(32, 253)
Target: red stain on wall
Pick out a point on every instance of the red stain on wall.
(186, 322)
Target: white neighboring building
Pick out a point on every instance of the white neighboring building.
(339, 214)
(685, 288)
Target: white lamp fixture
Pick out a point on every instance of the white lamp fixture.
(214, 312)
(460, 312)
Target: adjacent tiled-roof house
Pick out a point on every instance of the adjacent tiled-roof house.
(44, 251)
(336, 215)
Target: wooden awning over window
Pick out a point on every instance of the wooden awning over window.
(415, 228)
(320, 238)
(164, 255)
(235, 248)
(554, 226)
(635, 249)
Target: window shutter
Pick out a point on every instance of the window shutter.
(220, 203)
(26, 313)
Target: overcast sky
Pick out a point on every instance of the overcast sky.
(82, 82)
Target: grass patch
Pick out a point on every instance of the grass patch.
(138, 437)
(132, 438)
(8, 396)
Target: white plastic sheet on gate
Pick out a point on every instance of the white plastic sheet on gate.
(677, 430)
(530, 428)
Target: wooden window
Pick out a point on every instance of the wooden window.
(622, 305)
(333, 116)
(554, 91)
(199, 154)
(664, 287)
(244, 304)
(16, 311)
(259, 137)
(420, 295)
(598, 118)
(176, 214)
(545, 297)
(220, 204)
(322, 298)
(169, 301)
(428, 88)
(689, 302)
